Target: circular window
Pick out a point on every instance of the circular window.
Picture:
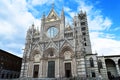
(52, 32)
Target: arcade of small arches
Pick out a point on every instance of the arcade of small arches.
(6, 74)
(112, 65)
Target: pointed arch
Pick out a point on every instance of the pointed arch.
(91, 62)
(111, 67)
(35, 55)
(119, 63)
(100, 66)
(65, 49)
(36, 51)
(50, 52)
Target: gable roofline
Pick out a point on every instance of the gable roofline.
(52, 10)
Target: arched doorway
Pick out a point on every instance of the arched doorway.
(35, 72)
(91, 62)
(68, 61)
(68, 70)
(36, 56)
(111, 68)
(2, 76)
(51, 58)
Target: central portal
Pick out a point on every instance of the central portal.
(51, 69)
(67, 70)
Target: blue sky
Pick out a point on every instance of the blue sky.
(103, 20)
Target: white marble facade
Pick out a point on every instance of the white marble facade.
(62, 50)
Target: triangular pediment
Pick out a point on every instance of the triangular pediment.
(52, 16)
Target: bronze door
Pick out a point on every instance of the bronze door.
(67, 70)
(36, 70)
(51, 69)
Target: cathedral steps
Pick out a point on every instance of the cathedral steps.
(75, 78)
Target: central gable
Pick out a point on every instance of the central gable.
(52, 16)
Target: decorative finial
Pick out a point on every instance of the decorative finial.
(62, 13)
(43, 14)
(81, 11)
(96, 52)
(33, 25)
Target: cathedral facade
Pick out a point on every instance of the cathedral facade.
(62, 50)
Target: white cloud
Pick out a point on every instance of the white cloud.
(99, 23)
(83, 6)
(107, 23)
(96, 20)
(6, 28)
(117, 28)
(104, 46)
(103, 43)
(14, 21)
(70, 13)
(40, 2)
(16, 17)
(67, 9)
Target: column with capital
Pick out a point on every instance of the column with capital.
(118, 69)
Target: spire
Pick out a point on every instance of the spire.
(43, 16)
(62, 14)
(37, 29)
(33, 26)
(63, 17)
(81, 11)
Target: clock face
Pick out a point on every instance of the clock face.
(52, 32)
